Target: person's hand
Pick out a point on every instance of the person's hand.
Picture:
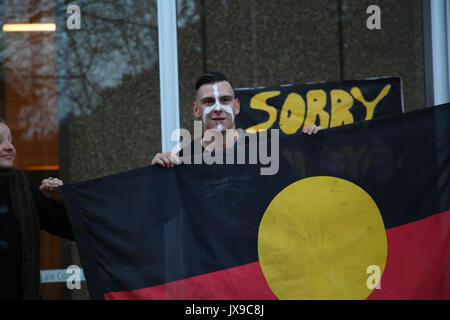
(312, 129)
(167, 159)
(49, 187)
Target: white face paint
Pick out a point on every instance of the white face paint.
(219, 107)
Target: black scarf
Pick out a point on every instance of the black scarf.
(28, 220)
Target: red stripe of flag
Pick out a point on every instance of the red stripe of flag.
(239, 283)
(418, 262)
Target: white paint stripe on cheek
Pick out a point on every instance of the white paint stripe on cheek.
(206, 111)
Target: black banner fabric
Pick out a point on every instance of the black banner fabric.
(329, 104)
(354, 212)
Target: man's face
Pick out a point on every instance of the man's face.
(7, 150)
(216, 106)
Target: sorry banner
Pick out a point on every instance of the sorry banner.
(330, 104)
(355, 212)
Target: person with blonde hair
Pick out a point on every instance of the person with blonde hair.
(24, 211)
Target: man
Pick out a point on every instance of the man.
(215, 104)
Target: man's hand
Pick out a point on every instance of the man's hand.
(312, 129)
(167, 159)
(49, 187)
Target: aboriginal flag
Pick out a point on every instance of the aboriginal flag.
(354, 212)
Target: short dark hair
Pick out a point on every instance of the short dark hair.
(211, 77)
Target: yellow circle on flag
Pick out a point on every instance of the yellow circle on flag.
(318, 239)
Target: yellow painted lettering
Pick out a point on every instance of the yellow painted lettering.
(370, 105)
(292, 114)
(341, 102)
(317, 100)
(259, 102)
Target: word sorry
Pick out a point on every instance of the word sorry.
(294, 113)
